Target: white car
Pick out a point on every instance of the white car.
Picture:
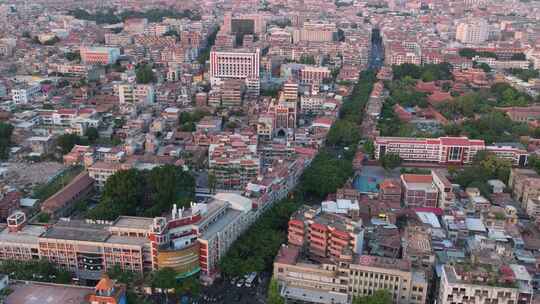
(240, 283)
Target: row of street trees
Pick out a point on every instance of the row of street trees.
(164, 280)
(336, 168)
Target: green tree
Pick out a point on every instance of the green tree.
(73, 56)
(164, 279)
(307, 59)
(381, 296)
(256, 249)
(66, 142)
(343, 132)
(271, 92)
(41, 271)
(122, 195)
(144, 74)
(484, 66)
(6, 130)
(335, 172)
(168, 185)
(494, 127)
(133, 298)
(525, 74)
(467, 53)
(485, 166)
(428, 76)
(190, 286)
(390, 161)
(43, 218)
(406, 69)
(172, 32)
(122, 276)
(274, 296)
(147, 192)
(534, 163)
(92, 134)
(369, 148)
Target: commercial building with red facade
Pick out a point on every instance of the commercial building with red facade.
(99, 55)
(325, 235)
(445, 150)
(190, 240)
(419, 191)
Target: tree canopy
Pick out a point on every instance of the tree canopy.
(307, 59)
(353, 108)
(471, 53)
(66, 142)
(41, 271)
(369, 148)
(335, 172)
(494, 127)
(273, 293)
(144, 192)
(485, 166)
(426, 72)
(144, 74)
(108, 15)
(164, 278)
(188, 120)
(482, 65)
(256, 249)
(6, 130)
(381, 296)
(390, 161)
(92, 134)
(524, 74)
(73, 56)
(343, 132)
(482, 102)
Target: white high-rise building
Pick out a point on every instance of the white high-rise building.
(472, 31)
(235, 64)
(26, 93)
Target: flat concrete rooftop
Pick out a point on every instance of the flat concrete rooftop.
(76, 234)
(133, 222)
(39, 293)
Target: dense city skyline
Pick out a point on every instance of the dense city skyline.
(270, 151)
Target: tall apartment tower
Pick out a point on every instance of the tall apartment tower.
(472, 31)
(240, 64)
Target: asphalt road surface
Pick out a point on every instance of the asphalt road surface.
(223, 292)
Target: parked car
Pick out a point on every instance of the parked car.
(250, 279)
(240, 283)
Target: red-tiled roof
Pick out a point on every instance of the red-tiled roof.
(417, 178)
(79, 184)
(455, 141)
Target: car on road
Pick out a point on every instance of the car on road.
(250, 279)
(240, 283)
